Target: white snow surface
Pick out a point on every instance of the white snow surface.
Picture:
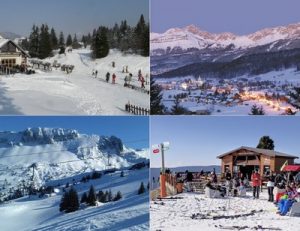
(175, 215)
(78, 93)
(41, 214)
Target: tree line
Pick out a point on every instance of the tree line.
(43, 40)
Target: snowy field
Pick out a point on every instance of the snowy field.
(176, 214)
(78, 93)
(130, 213)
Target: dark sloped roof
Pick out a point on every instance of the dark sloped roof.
(5, 41)
(261, 151)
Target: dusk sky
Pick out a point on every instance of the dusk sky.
(236, 16)
(197, 141)
(134, 131)
(71, 16)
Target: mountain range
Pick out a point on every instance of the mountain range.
(49, 154)
(176, 51)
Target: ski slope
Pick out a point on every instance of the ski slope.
(129, 213)
(79, 93)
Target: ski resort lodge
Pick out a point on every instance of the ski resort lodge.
(246, 159)
(11, 54)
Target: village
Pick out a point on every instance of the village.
(273, 92)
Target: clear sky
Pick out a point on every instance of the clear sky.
(134, 131)
(72, 16)
(198, 140)
(236, 16)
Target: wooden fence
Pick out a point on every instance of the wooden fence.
(136, 110)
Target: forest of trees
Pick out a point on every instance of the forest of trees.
(43, 40)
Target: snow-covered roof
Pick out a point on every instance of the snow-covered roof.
(5, 41)
(266, 152)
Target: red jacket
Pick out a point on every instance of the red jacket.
(255, 178)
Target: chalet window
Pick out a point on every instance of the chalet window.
(9, 62)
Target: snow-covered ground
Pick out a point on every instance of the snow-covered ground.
(130, 213)
(176, 214)
(78, 93)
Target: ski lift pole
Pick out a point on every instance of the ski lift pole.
(163, 190)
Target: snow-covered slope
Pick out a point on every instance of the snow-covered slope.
(51, 154)
(193, 37)
(78, 93)
(42, 214)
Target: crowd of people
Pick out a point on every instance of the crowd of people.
(127, 78)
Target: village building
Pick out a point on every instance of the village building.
(247, 159)
(11, 54)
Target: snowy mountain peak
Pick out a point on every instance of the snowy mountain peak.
(193, 37)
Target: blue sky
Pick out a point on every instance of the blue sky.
(131, 129)
(236, 16)
(199, 140)
(72, 16)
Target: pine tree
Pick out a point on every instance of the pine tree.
(84, 41)
(61, 41)
(75, 44)
(141, 188)
(155, 99)
(45, 47)
(266, 142)
(100, 45)
(118, 196)
(255, 110)
(73, 201)
(109, 196)
(69, 41)
(34, 42)
(91, 200)
(54, 40)
(84, 198)
(101, 196)
(64, 202)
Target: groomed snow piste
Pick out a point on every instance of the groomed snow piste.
(78, 93)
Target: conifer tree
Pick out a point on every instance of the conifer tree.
(118, 196)
(141, 188)
(84, 198)
(34, 42)
(54, 40)
(69, 40)
(73, 201)
(91, 200)
(155, 99)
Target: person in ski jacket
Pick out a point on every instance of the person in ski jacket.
(270, 185)
(107, 76)
(114, 78)
(142, 82)
(256, 182)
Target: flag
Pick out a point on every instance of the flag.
(156, 149)
(284, 164)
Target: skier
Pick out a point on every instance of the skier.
(142, 82)
(96, 73)
(126, 81)
(126, 69)
(93, 73)
(113, 64)
(270, 185)
(114, 78)
(129, 78)
(107, 77)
